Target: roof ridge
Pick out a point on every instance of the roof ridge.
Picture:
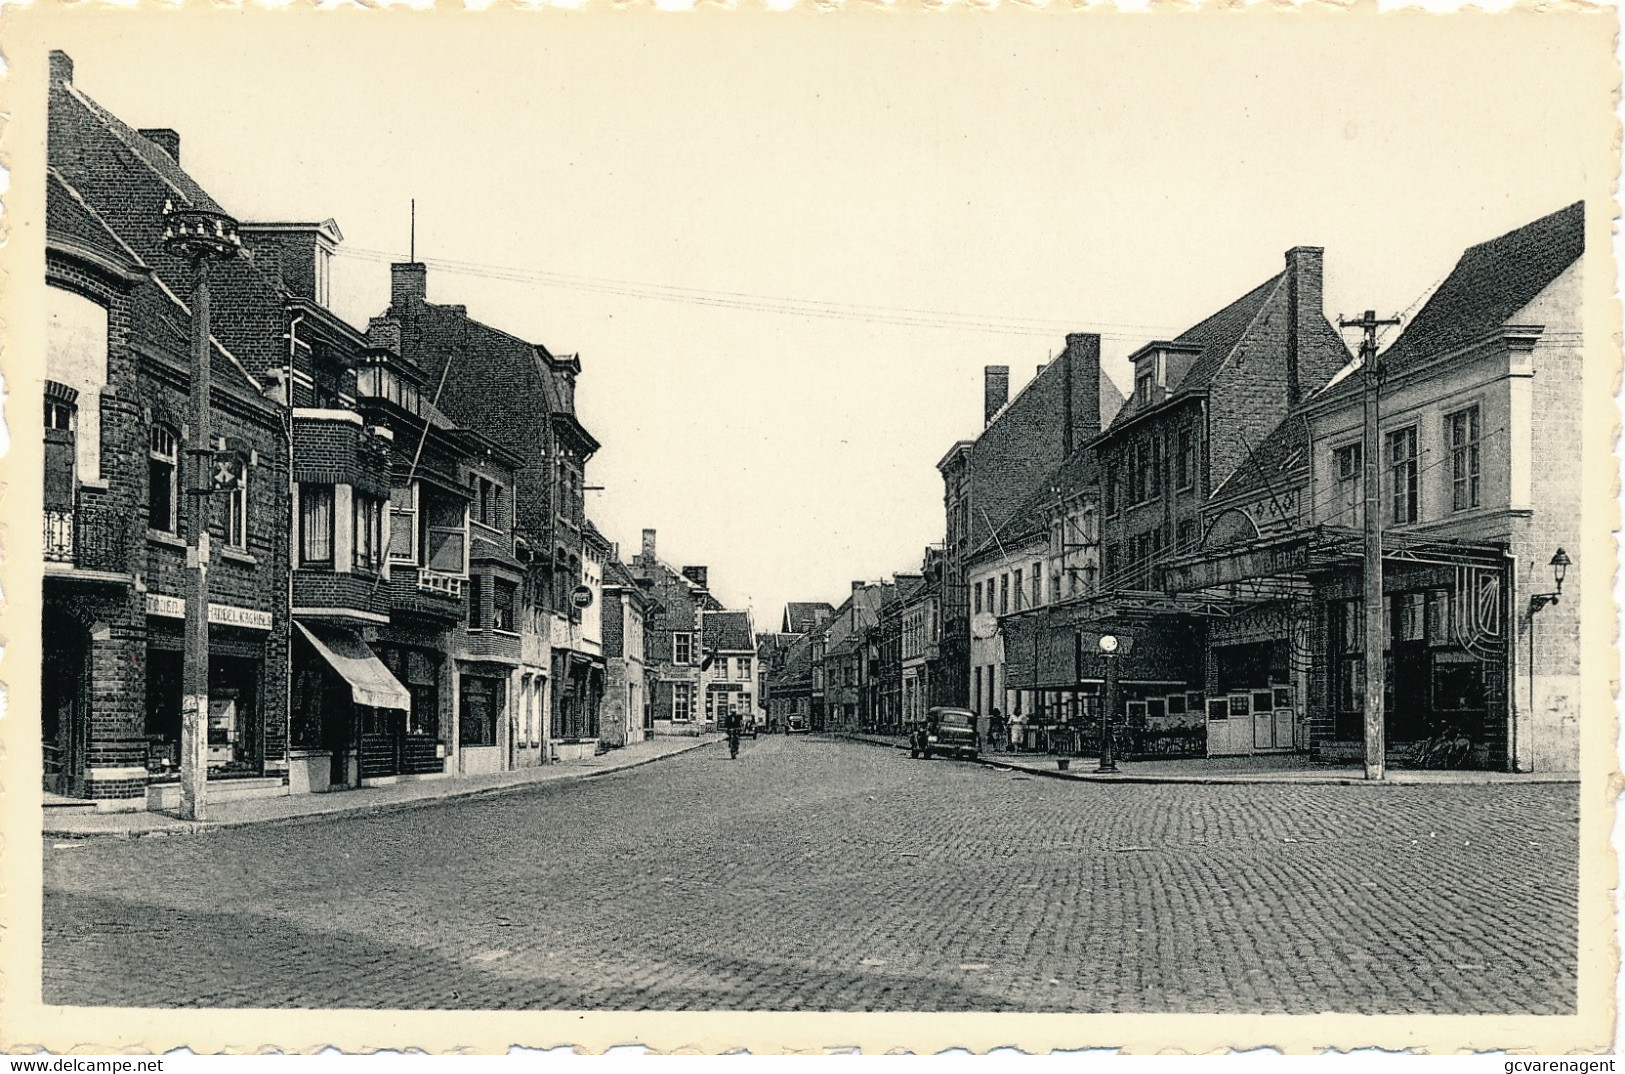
(123, 132)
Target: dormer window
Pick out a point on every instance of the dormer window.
(1145, 385)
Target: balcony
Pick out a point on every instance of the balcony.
(87, 538)
(450, 585)
(426, 592)
(322, 593)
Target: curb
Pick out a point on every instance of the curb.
(182, 827)
(1242, 779)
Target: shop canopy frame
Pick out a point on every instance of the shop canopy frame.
(1290, 560)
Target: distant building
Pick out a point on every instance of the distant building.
(728, 673)
(986, 479)
(625, 715)
(680, 599)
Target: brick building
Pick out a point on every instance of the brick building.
(528, 463)
(986, 479)
(1479, 431)
(116, 403)
(679, 599)
(626, 716)
(919, 668)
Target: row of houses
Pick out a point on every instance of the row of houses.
(404, 582)
(1212, 521)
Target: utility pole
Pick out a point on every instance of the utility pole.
(198, 236)
(1376, 628)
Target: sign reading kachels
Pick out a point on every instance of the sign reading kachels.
(219, 614)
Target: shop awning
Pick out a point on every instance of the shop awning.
(1055, 647)
(370, 681)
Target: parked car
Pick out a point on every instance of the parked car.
(946, 730)
(797, 724)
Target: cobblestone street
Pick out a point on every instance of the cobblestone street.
(832, 875)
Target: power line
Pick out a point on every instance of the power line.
(899, 315)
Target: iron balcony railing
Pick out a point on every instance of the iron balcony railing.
(89, 537)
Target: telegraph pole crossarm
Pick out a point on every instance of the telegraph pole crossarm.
(1376, 626)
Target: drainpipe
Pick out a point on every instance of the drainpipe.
(287, 432)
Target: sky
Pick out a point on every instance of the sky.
(683, 199)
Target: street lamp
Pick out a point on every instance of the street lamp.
(198, 236)
(1560, 567)
(1108, 650)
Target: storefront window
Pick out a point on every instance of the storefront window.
(232, 728)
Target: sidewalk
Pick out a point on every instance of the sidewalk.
(1267, 768)
(62, 824)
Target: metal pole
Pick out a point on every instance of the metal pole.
(1108, 714)
(195, 666)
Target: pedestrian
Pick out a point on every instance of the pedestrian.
(995, 729)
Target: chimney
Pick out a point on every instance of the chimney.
(164, 138)
(1080, 391)
(856, 586)
(1305, 305)
(384, 333)
(647, 556)
(697, 575)
(61, 66)
(1041, 367)
(996, 390)
(408, 283)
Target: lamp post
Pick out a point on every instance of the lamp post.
(198, 236)
(1108, 710)
(1560, 567)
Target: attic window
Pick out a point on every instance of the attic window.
(1145, 385)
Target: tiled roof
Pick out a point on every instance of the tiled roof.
(1032, 515)
(728, 632)
(166, 167)
(802, 616)
(1280, 460)
(1490, 283)
(70, 216)
(1216, 335)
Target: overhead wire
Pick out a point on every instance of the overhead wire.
(815, 308)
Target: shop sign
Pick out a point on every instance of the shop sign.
(168, 607)
(725, 687)
(581, 596)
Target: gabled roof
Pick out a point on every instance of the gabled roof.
(148, 152)
(1031, 517)
(1213, 338)
(802, 616)
(616, 576)
(1490, 283)
(1278, 462)
(72, 218)
(728, 632)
